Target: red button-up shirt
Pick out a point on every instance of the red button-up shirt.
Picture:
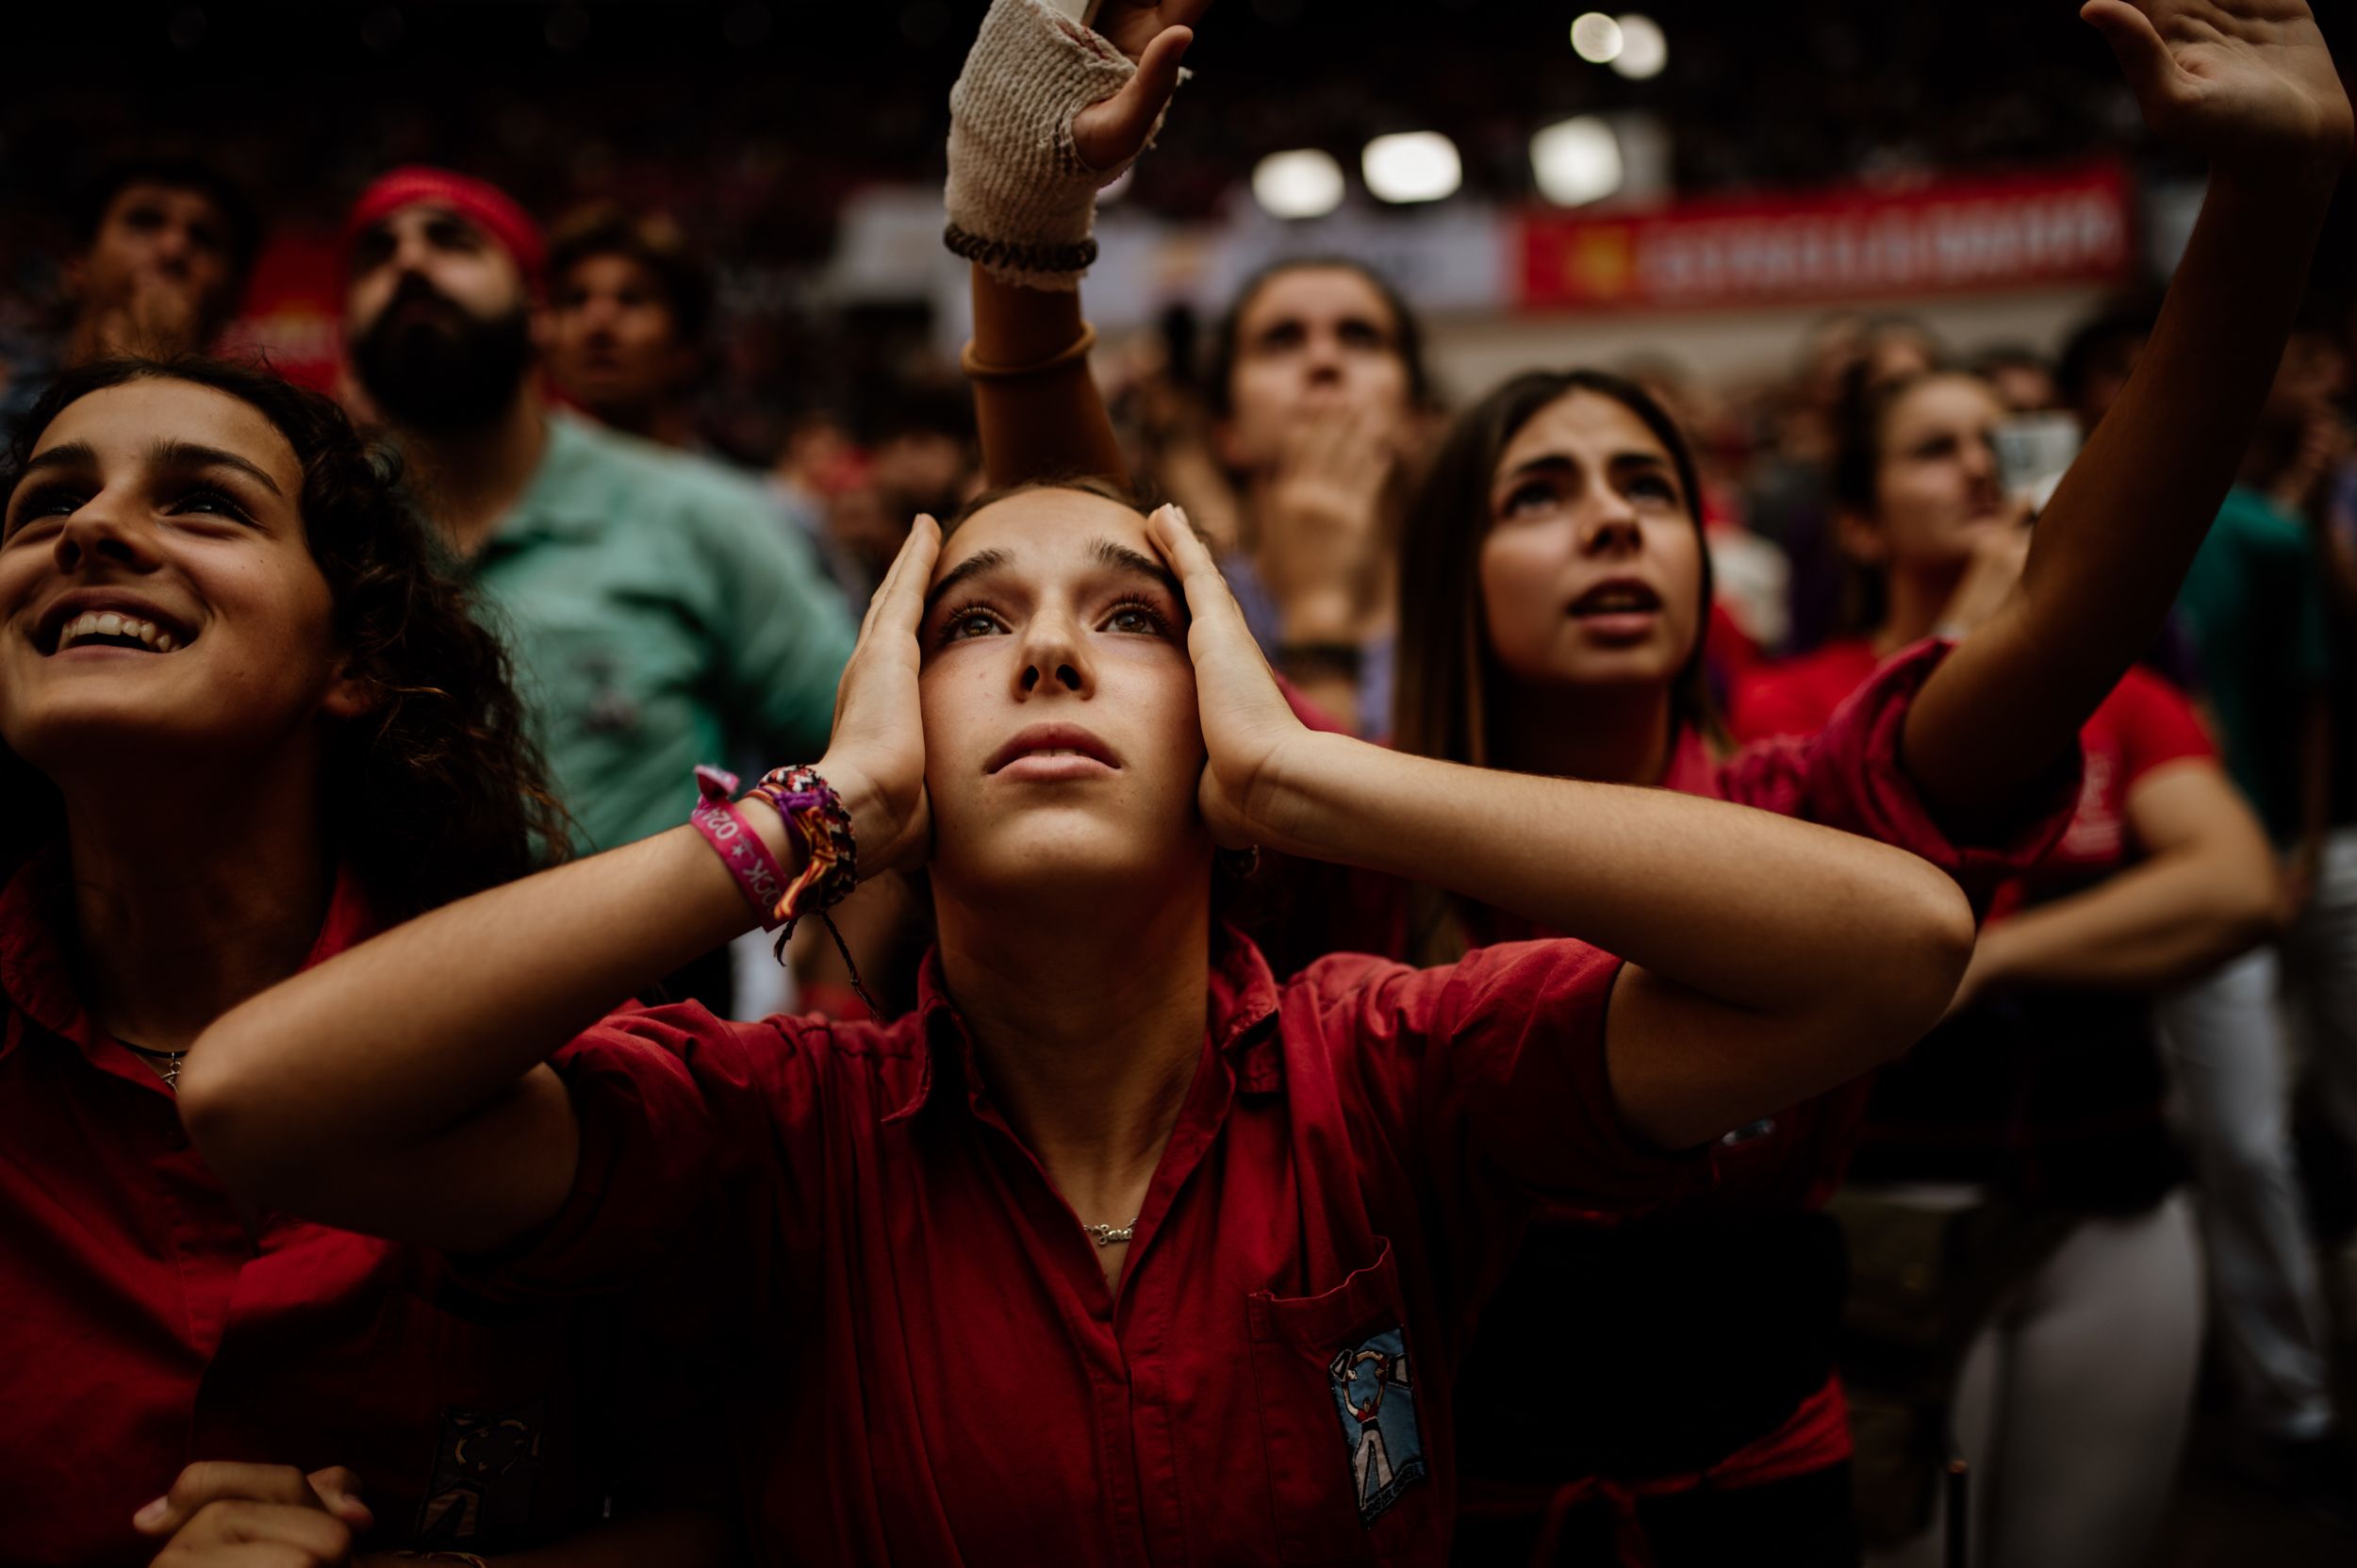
(146, 1321)
(942, 1374)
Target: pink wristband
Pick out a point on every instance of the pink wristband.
(758, 875)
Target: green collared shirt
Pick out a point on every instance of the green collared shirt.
(661, 613)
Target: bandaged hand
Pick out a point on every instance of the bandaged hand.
(1046, 113)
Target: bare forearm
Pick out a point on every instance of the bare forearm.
(1754, 910)
(2151, 926)
(411, 1034)
(1044, 425)
(2112, 545)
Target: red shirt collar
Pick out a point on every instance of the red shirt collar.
(1243, 1002)
(36, 968)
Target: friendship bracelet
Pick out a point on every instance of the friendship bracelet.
(812, 808)
(831, 867)
(740, 848)
(1071, 353)
(442, 1556)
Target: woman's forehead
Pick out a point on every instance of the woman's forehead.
(1318, 292)
(1584, 423)
(1941, 399)
(123, 422)
(1044, 529)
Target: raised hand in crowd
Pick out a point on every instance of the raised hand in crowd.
(1155, 38)
(1992, 579)
(2250, 85)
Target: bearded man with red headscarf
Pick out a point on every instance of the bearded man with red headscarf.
(659, 614)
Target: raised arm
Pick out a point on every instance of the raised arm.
(1093, 99)
(2250, 84)
(1770, 959)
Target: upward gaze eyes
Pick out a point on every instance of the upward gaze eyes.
(1127, 617)
(1647, 487)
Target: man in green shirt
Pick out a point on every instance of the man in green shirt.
(658, 615)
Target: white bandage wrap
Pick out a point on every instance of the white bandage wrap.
(1021, 204)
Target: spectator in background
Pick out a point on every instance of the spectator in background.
(2023, 1140)
(1317, 386)
(166, 243)
(1791, 501)
(2021, 376)
(658, 615)
(629, 305)
(2098, 356)
(2254, 607)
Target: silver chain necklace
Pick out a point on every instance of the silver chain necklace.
(170, 1072)
(1112, 1235)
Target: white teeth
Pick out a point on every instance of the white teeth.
(111, 624)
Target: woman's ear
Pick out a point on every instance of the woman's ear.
(349, 695)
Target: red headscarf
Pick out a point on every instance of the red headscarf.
(481, 203)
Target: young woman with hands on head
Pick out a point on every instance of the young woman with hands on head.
(1116, 1248)
(1560, 593)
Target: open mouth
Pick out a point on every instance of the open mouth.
(1616, 599)
(135, 631)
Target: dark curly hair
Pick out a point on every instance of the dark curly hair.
(437, 792)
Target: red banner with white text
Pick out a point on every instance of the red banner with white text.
(2072, 225)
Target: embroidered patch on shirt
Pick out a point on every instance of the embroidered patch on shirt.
(483, 1469)
(1377, 1405)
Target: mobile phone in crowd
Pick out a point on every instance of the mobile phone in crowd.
(2034, 452)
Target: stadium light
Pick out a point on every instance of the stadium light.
(1305, 183)
(1576, 161)
(1596, 39)
(1644, 49)
(1412, 166)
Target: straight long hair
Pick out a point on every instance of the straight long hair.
(1449, 690)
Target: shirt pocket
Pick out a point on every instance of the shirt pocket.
(1345, 1438)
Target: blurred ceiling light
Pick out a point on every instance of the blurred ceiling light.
(1644, 49)
(1412, 166)
(1305, 183)
(1596, 39)
(1576, 161)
